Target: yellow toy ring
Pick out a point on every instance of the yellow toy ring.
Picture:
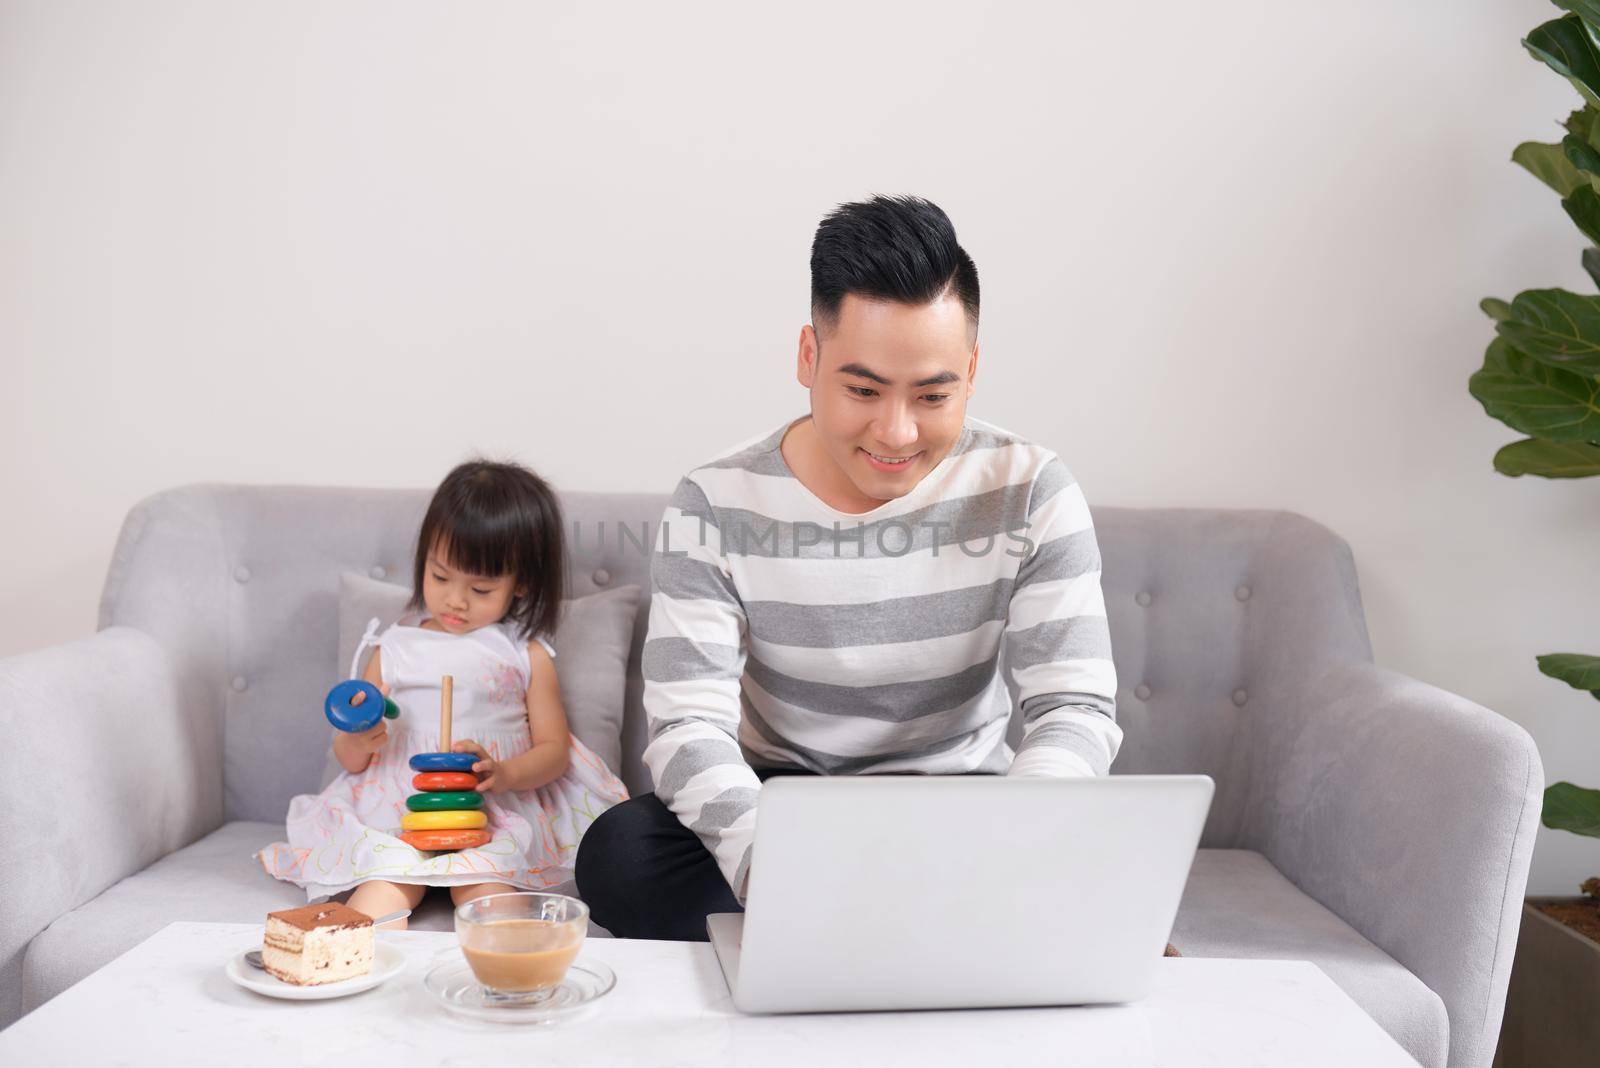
(444, 821)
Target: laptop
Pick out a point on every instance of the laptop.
(944, 892)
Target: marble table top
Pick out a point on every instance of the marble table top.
(167, 1001)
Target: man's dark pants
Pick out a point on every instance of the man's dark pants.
(644, 874)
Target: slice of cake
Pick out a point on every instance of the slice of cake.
(317, 944)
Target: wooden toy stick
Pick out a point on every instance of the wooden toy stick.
(447, 684)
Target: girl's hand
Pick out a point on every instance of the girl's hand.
(357, 751)
(492, 780)
(373, 739)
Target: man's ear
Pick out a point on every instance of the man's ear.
(972, 371)
(805, 369)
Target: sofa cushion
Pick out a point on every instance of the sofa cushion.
(1236, 904)
(216, 879)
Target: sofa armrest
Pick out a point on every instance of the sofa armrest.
(1411, 813)
(101, 774)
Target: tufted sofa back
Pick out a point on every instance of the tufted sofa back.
(1211, 613)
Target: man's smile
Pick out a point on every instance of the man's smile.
(889, 463)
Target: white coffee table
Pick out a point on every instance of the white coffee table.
(167, 1001)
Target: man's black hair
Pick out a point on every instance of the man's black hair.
(899, 248)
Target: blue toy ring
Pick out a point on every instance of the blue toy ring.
(357, 718)
(443, 762)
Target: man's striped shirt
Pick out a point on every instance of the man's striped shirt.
(785, 633)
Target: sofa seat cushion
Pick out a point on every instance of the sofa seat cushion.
(1236, 904)
(216, 879)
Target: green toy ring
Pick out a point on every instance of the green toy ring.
(444, 801)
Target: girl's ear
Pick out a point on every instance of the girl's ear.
(520, 591)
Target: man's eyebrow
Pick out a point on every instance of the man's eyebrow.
(861, 372)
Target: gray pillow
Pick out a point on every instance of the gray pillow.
(591, 642)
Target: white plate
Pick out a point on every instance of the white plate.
(387, 961)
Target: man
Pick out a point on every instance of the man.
(834, 597)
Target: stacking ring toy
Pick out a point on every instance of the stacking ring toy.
(468, 820)
(448, 813)
(444, 802)
(445, 780)
(443, 762)
(439, 841)
(357, 718)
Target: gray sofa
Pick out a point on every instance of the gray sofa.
(1370, 823)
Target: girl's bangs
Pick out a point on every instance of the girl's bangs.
(477, 547)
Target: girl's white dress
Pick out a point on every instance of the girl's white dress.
(349, 833)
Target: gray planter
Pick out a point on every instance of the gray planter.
(1553, 1003)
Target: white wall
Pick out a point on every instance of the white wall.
(1231, 255)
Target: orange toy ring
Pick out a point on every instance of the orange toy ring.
(445, 780)
(442, 841)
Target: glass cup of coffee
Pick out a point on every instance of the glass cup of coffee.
(520, 945)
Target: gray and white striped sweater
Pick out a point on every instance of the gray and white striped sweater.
(786, 633)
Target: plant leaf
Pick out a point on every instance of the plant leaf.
(1556, 327)
(1548, 459)
(1549, 164)
(1581, 122)
(1591, 263)
(1540, 400)
(1583, 207)
(1577, 670)
(1581, 154)
(1564, 45)
(1585, 123)
(1496, 309)
(1588, 10)
(1572, 808)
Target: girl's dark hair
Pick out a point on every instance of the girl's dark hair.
(498, 519)
(889, 248)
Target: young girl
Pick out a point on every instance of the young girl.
(487, 589)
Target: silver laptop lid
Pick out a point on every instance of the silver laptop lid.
(889, 892)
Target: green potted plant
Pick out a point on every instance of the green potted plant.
(1541, 377)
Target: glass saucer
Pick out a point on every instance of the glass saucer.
(450, 979)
